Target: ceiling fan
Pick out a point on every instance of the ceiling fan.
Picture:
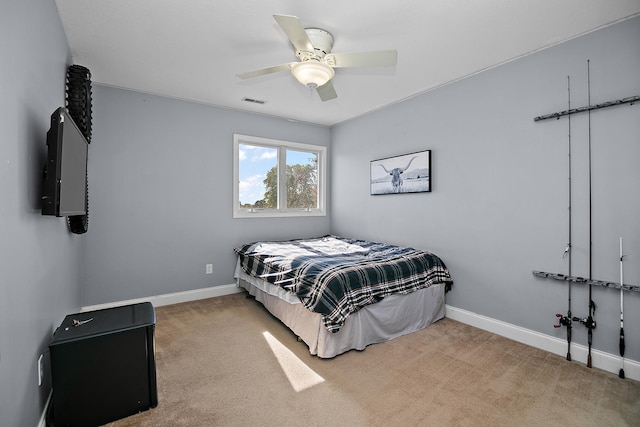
(316, 62)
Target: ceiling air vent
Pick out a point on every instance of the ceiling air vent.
(253, 101)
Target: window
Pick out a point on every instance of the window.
(277, 178)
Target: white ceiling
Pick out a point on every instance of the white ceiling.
(193, 49)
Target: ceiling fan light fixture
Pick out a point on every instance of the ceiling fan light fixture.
(312, 73)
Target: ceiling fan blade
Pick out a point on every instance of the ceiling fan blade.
(269, 70)
(293, 28)
(327, 91)
(382, 58)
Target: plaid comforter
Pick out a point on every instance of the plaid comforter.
(336, 276)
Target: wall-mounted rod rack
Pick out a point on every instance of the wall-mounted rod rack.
(629, 100)
(584, 281)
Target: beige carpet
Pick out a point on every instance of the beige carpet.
(217, 365)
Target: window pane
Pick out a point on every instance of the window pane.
(258, 176)
(302, 180)
(274, 178)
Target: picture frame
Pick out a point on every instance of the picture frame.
(406, 173)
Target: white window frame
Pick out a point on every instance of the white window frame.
(282, 147)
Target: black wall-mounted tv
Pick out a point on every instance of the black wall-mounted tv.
(65, 174)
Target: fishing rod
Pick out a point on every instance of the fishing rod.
(590, 324)
(589, 321)
(566, 320)
(621, 345)
(569, 326)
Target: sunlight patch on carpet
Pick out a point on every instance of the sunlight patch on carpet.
(299, 374)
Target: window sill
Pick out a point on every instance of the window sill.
(278, 214)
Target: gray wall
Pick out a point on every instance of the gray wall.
(160, 195)
(160, 183)
(39, 258)
(499, 206)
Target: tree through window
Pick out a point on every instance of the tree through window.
(277, 178)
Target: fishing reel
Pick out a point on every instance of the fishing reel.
(589, 322)
(563, 321)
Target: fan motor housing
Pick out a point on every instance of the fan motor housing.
(321, 40)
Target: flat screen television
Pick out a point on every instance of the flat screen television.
(65, 173)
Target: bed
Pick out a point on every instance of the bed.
(337, 294)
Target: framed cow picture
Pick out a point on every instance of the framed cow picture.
(407, 173)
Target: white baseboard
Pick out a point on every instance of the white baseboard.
(173, 298)
(599, 359)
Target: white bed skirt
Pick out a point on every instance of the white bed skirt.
(394, 316)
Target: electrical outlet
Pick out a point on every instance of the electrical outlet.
(40, 370)
(209, 268)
